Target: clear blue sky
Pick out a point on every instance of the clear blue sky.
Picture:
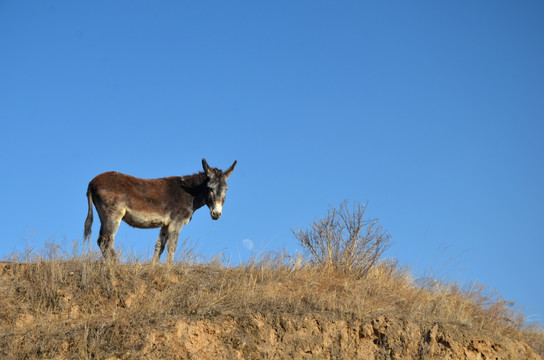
(433, 112)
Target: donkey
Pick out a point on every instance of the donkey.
(168, 203)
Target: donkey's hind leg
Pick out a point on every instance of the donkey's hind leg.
(106, 239)
(160, 244)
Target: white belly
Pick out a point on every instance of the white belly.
(145, 220)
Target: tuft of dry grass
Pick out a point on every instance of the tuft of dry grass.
(82, 307)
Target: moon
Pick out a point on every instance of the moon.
(248, 244)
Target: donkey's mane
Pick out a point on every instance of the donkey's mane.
(195, 180)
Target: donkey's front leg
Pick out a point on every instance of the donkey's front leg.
(160, 244)
(173, 236)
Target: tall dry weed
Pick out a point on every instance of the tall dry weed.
(345, 240)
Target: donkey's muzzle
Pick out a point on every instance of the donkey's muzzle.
(216, 210)
(215, 214)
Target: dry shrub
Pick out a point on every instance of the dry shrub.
(345, 240)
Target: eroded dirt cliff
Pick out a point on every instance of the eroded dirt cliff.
(320, 337)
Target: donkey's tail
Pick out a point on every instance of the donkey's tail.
(89, 220)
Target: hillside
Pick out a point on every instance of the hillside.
(276, 308)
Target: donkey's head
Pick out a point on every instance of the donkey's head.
(217, 188)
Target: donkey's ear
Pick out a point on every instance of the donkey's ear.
(206, 168)
(227, 172)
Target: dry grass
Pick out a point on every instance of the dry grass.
(79, 306)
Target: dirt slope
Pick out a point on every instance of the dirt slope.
(262, 337)
(86, 310)
(319, 337)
